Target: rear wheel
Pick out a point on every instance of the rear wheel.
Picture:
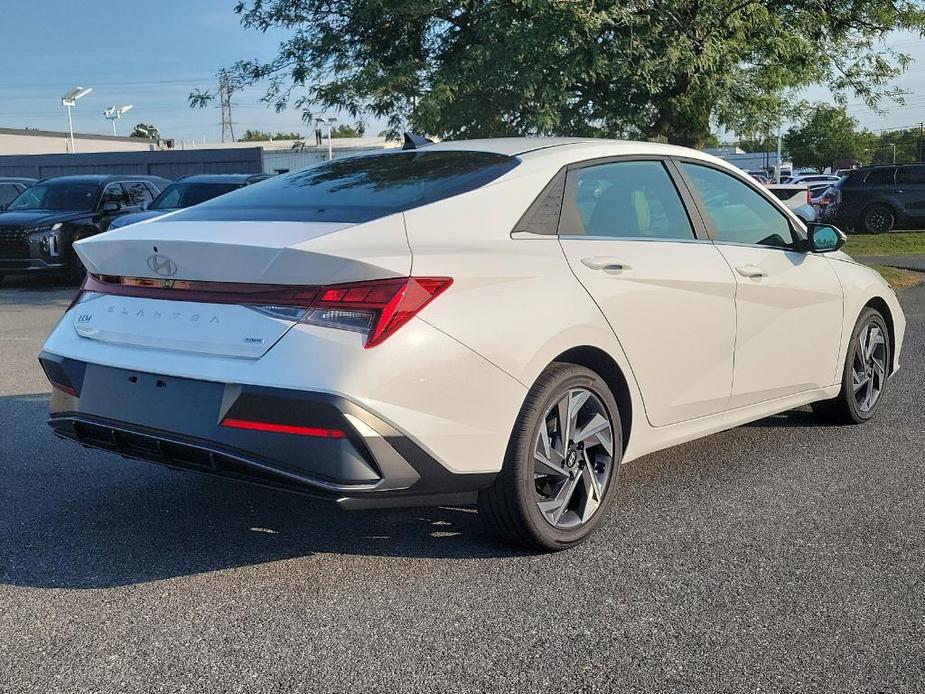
(563, 460)
(865, 374)
(878, 219)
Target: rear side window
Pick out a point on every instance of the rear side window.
(357, 189)
(910, 175)
(627, 199)
(880, 177)
(8, 193)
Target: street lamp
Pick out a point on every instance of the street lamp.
(69, 101)
(327, 122)
(113, 114)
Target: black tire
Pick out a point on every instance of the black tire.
(845, 407)
(510, 506)
(878, 219)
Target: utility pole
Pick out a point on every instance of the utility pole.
(921, 154)
(224, 95)
(779, 160)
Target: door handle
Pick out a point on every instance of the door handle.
(751, 271)
(605, 264)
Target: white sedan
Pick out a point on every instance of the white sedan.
(507, 320)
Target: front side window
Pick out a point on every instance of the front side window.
(137, 193)
(737, 213)
(626, 199)
(113, 193)
(78, 197)
(357, 189)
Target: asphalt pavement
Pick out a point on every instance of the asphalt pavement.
(784, 556)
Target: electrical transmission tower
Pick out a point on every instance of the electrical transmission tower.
(224, 96)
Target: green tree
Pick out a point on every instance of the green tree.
(906, 142)
(759, 143)
(345, 130)
(826, 134)
(147, 131)
(261, 136)
(659, 69)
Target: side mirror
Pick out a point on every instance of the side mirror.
(824, 238)
(111, 206)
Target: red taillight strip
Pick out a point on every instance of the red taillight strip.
(253, 425)
(204, 292)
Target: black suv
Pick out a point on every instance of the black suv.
(39, 227)
(875, 199)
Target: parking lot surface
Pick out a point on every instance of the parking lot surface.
(782, 556)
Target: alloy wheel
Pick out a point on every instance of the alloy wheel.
(573, 458)
(879, 220)
(868, 371)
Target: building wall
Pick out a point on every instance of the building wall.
(46, 142)
(169, 164)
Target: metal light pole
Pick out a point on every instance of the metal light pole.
(329, 123)
(779, 160)
(69, 101)
(113, 114)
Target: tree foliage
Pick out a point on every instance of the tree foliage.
(261, 136)
(344, 130)
(658, 69)
(147, 131)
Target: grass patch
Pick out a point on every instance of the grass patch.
(896, 243)
(899, 279)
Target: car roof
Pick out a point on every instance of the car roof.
(103, 178)
(568, 148)
(218, 178)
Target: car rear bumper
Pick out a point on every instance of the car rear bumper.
(178, 422)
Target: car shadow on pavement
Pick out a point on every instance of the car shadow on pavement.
(75, 518)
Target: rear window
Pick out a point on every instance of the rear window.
(910, 175)
(357, 189)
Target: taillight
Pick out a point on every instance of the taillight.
(377, 308)
(809, 197)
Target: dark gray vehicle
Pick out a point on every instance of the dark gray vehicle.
(877, 199)
(39, 227)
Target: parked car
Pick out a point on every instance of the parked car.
(39, 227)
(877, 199)
(760, 176)
(796, 196)
(10, 188)
(814, 178)
(189, 191)
(507, 320)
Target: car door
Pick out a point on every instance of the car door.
(910, 189)
(789, 303)
(663, 287)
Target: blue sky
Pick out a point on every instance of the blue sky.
(152, 55)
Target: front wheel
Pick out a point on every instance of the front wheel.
(563, 460)
(864, 378)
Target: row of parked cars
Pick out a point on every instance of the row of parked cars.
(871, 199)
(41, 220)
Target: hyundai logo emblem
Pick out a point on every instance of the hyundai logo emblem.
(162, 265)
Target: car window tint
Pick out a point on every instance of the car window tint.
(737, 212)
(626, 199)
(137, 193)
(910, 175)
(113, 193)
(357, 189)
(880, 177)
(8, 193)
